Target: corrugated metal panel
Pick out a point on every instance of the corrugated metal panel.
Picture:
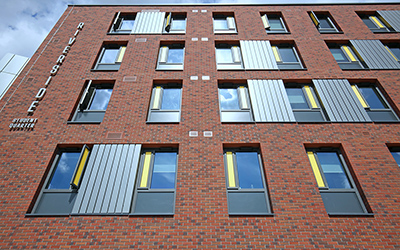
(269, 101)
(375, 54)
(339, 100)
(108, 182)
(149, 23)
(392, 17)
(258, 55)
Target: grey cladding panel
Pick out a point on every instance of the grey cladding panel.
(149, 23)
(375, 55)
(107, 185)
(339, 100)
(258, 55)
(392, 17)
(269, 101)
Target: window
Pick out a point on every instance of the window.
(246, 187)
(273, 23)
(345, 56)
(171, 57)
(155, 189)
(123, 23)
(228, 56)
(396, 154)
(175, 23)
(373, 102)
(165, 105)
(394, 50)
(323, 22)
(234, 103)
(286, 56)
(304, 102)
(110, 57)
(60, 190)
(93, 104)
(336, 186)
(376, 23)
(224, 23)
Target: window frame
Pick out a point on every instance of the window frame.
(246, 191)
(371, 112)
(282, 65)
(153, 111)
(119, 19)
(168, 27)
(73, 188)
(354, 61)
(389, 47)
(229, 66)
(240, 96)
(313, 102)
(229, 30)
(267, 27)
(117, 62)
(84, 115)
(316, 17)
(395, 150)
(148, 190)
(161, 65)
(321, 180)
(374, 18)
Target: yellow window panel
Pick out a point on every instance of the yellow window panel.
(311, 97)
(231, 171)
(359, 96)
(121, 54)
(349, 54)
(265, 21)
(276, 54)
(146, 168)
(314, 18)
(377, 22)
(243, 99)
(80, 169)
(157, 98)
(391, 53)
(315, 169)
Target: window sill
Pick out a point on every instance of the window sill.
(225, 32)
(278, 32)
(159, 122)
(82, 122)
(46, 215)
(103, 70)
(331, 32)
(351, 214)
(250, 214)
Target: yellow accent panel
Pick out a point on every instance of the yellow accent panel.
(314, 19)
(79, 172)
(276, 54)
(157, 97)
(121, 54)
(377, 22)
(349, 54)
(243, 98)
(359, 96)
(146, 168)
(315, 169)
(231, 171)
(391, 53)
(310, 97)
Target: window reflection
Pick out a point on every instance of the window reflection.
(65, 168)
(164, 170)
(228, 99)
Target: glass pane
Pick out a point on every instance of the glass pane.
(224, 56)
(287, 55)
(396, 52)
(127, 25)
(275, 24)
(338, 55)
(178, 24)
(175, 56)
(109, 56)
(396, 156)
(296, 98)
(333, 170)
(369, 23)
(64, 170)
(171, 99)
(248, 168)
(164, 170)
(324, 23)
(100, 99)
(228, 99)
(372, 98)
(220, 24)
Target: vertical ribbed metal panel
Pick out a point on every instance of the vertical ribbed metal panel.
(269, 101)
(392, 17)
(108, 182)
(339, 101)
(258, 55)
(149, 23)
(375, 54)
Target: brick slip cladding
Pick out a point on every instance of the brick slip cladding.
(201, 219)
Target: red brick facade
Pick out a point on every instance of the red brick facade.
(201, 219)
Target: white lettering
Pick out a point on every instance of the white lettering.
(54, 70)
(11, 125)
(66, 49)
(80, 26)
(40, 94)
(76, 33)
(32, 125)
(33, 106)
(71, 40)
(15, 120)
(60, 59)
(48, 81)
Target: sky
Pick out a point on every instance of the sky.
(25, 23)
